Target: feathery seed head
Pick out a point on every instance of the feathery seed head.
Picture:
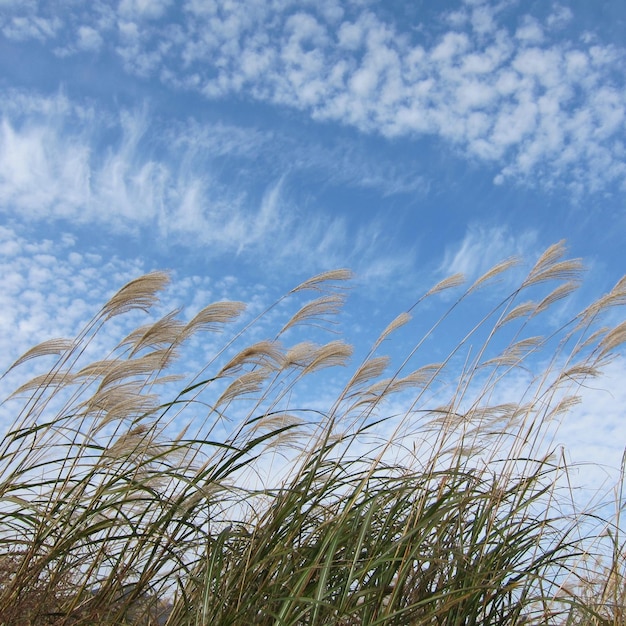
(264, 353)
(212, 317)
(496, 270)
(50, 346)
(447, 283)
(319, 281)
(139, 293)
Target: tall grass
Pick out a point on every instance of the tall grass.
(415, 494)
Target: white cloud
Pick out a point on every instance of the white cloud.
(560, 16)
(89, 39)
(149, 9)
(50, 169)
(344, 63)
(530, 31)
(39, 170)
(482, 247)
(594, 432)
(22, 28)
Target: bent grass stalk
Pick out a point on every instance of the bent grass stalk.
(423, 496)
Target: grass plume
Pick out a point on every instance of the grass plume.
(422, 493)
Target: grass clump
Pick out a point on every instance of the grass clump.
(416, 494)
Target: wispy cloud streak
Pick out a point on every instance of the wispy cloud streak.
(540, 107)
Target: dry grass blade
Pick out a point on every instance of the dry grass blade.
(214, 316)
(45, 348)
(316, 282)
(447, 283)
(316, 311)
(137, 294)
(496, 270)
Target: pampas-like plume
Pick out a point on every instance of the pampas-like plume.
(496, 270)
(613, 339)
(316, 311)
(548, 267)
(140, 293)
(247, 383)
(163, 333)
(525, 309)
(438, 505)
(122, 401)
(113, 370)
(50, 346)
(447, 283)
(332, 354)
(372, 368)
(263, 353)
(52, 379)
(560, 292)
(214, 316)
(321, 280)
(398, 322)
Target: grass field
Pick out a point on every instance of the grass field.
(135, 492)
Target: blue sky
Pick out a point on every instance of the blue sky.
(248, 144)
